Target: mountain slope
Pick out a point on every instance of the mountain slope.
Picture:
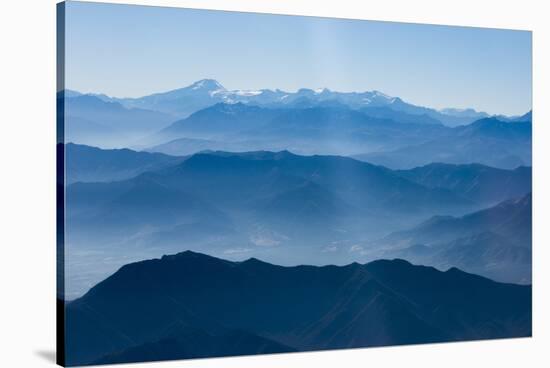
(480, 183)
(229, 179)
(380, 135)
(385, 112)
(490, 142)
(255, 175)
(91, 164)
(180, 102)
(511, 218)
(91, 120)
(310, 308)
(196, 343)
(495, 242)
(306, 129)
(128, 207)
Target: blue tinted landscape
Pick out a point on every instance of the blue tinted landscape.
(207, 221)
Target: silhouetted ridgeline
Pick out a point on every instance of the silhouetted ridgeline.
(191, 305)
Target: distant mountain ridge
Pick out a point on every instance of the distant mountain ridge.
(207, 92)
(91, 120)
(257, 181)
(92, 164)
(368, 125)
(192, 298)
(396, 139)
(489, 141)
(483, 184)
(495, 242)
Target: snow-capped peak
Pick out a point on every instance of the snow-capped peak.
(380, 94)
(208, 84)
(241, 92)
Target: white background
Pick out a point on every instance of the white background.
(27, 182)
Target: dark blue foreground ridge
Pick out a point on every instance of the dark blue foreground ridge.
(191, 305)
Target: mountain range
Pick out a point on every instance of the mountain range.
(91, 120)
(370, 126)
(280, 206)
(494, 242)
(308, 130)
(479, 183)
(342, 131)
(277, 190)
(313, 177)
(207, 92)
(91, 164)
(201, 306)
(489, 141)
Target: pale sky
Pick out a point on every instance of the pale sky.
(131, 51)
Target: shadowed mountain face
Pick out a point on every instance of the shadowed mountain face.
(185, 342)
(495, 242)
(200, 306)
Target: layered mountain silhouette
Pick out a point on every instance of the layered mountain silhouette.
(480, 183)
(207, 92)
(495, 242)
(289, 194)
(311, 177)
(283, 207)
(393, 139)
(490, 141)
(306, 129)
(91, 120)
(91, 164)
(191, 305)
(368, 125)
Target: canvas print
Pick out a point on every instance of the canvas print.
(236, 183)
